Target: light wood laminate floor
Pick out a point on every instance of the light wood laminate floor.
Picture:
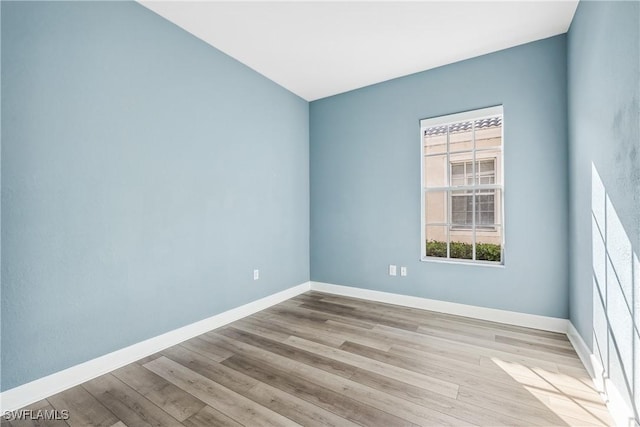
(321, 359)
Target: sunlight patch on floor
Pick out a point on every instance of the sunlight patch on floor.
(571, 399)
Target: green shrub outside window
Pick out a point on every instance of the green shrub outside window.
(460, 250)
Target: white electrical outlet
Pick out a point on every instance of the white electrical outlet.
(256, 274)
(403, 271)
(392, 270)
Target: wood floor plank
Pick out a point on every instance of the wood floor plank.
(544, 379)
(208, 417)
(338, 332)
(127, 404)
(502, 327)
(202, 347)
(212, 370)
(564, 351)
(294, 353)
(433, 384)
(260, 327)
(465, 347)
(273, 325)
(173, 400)
(461, 410)
(292, 406)
(330, 306)
(417, 342)
(533, 338)
(325, 333)
(508, 348)
(420, 358)
(362, 316)
(84, 409)
(494, 371)
(536, 415)
(565, 406)
(230, 403)
(301, 314)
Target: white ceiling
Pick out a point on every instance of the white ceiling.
(318, 49)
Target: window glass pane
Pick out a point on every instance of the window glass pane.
(461, 248)
(435, 140)
(485, 208)
(489, 244)
(461, 168)
(436, 241)
(488, 133)
(460, 178)
(461, 136)
(435, 171)
(461, 208)
(457, 170)
(487, 180)
(436, 207)
(486, 171)
(486, 165)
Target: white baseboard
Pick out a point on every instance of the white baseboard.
(585, 355)
(545, 323)
(39, 389)
(621, 413)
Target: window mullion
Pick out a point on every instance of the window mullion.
(475, 180)
(448, 193)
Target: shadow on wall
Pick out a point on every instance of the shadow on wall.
(616, 297)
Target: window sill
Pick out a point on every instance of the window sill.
(441, 260)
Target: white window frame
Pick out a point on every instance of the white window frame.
(471, 115)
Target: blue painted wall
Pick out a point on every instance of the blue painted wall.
(144, 175)
(604, 147)
(365, 181)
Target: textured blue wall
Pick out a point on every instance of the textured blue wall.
(144, 175)
(604, 147)
(365, 181)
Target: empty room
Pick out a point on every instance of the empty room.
(329, 213)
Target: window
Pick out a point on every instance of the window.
(462, 186)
